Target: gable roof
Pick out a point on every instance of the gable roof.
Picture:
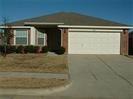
(69, 18)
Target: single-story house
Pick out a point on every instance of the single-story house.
(77, 33)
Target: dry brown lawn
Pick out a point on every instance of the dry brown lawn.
(31, 82)
(34, 63)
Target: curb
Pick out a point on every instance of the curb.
(34, 91)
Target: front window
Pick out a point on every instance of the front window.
(21, 37)
(41, 38)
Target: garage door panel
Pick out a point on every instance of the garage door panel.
(93, 43)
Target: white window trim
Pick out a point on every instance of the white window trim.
(15, 38)
(44, 37)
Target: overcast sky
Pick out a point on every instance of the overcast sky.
(115, 10)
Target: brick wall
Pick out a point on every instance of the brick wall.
(124, 42)
(65, 39)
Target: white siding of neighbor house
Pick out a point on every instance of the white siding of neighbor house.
(82, 41)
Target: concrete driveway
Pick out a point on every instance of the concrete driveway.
(95, 77)
(100, 76)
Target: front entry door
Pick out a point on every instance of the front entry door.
(53, 39)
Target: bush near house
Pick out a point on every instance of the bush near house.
(1, 48)
(37, 49)
(45, 49)
(60, 51)
(11, 49)
(20, 49)
(29, 49)
(24, 49)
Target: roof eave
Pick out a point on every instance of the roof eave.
(102, 27)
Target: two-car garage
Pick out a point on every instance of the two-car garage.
(82, 41)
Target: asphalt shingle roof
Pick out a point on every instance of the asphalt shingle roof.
(70, 18)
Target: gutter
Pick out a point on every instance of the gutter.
(100, 27)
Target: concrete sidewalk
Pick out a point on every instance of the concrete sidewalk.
(93, 77)
(33, 75)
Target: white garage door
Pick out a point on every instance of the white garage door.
(93, 42)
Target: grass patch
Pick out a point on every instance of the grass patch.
(34, 63)
(31, 82)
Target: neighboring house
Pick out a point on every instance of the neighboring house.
(131, 43)
(79, 34)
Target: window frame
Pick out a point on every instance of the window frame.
(15, 31)
(44, 38)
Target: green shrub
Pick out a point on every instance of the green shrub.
(60, 51)
(1, 48)
(11, 49)
(37, 49)
(20, 49)
(44, 49)
(29, 49)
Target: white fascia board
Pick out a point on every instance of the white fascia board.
(25, 27)
(95, 30)
(102, 27)
(42, 23)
